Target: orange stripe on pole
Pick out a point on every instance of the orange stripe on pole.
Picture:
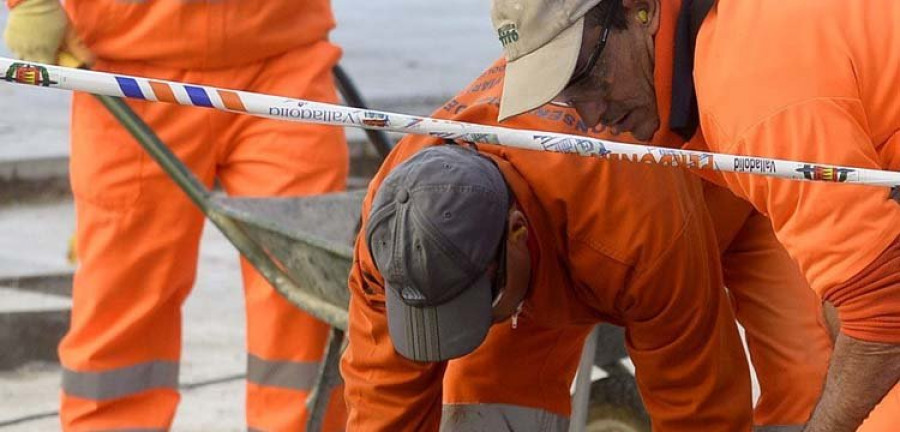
(163, 92)
(232, 100)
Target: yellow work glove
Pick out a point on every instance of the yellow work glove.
(40, 31)
(72, 252)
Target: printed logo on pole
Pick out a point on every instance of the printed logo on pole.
(585, 146)
(825, 173)
(28, 74)
(376, 119)
(508, 34)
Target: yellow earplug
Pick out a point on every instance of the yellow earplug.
(643, 16)
(518, 232)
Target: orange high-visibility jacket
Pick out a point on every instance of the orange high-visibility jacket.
(816, 82)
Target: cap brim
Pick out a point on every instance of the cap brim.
(438, 333)
(537, 77)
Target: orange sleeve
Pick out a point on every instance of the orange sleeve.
(383, 390)
(869, 303)
(788, 342)
(681, 335)
(13, 3)
(833, 231)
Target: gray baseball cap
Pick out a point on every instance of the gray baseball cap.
(435, 226)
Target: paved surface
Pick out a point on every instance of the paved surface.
(17, 301)
(412, 48)
(213, 325)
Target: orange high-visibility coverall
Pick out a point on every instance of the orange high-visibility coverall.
(788, 343)
(798, 89)
(623, 243)
(138, 233)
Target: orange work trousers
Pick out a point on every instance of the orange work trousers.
(788, 340)
(138, 238)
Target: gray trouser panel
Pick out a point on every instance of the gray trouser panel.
(500, 418)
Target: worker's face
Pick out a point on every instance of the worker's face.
(618, 91)
(513, 281)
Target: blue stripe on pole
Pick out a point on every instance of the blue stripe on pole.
(198, 96)
(130, 88)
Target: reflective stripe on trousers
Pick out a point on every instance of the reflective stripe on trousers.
(282, 374)
(779, 428)
(135, 430)
(500, 418)
(122, 382)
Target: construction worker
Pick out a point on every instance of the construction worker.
(788, 342)
(138, 234)
(596, 241)
(773, 79)
(456, 238)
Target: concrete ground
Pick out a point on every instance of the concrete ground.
(213, 327)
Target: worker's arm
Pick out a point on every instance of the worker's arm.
(862, 368)
(383, 390)
(681, 335)
(861, 373)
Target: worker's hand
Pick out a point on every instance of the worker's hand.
(40, 31)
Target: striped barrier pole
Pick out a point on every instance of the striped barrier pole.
(303, 111)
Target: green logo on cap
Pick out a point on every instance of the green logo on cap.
(508, 34)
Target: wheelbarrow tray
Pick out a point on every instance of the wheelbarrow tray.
(309, 239)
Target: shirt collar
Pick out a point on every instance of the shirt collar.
(685, 116)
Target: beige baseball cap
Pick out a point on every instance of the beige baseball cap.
(542, 40)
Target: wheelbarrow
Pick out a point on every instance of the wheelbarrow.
(303, 247)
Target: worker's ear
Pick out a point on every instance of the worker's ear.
(642, 14)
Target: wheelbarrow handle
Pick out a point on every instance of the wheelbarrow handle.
(379, 139)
